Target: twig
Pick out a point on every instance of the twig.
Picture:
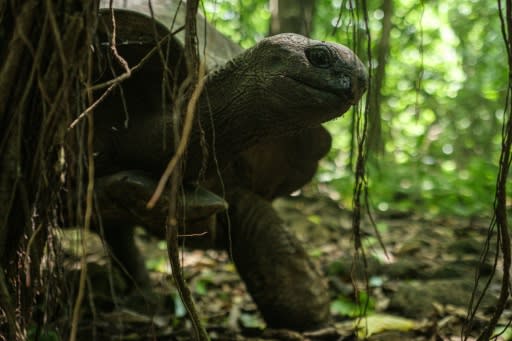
(111, 84)
(87, 223)
(180, 150)
(143, 61)
(113, 45)
(91, 107)
(193, 234)
(195, 78)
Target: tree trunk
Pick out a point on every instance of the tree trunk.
(291, 16)
(44, 48)
(374, 129)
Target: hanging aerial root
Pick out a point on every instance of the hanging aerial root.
(499, 222)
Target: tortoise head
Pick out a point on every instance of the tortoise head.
(301, 81)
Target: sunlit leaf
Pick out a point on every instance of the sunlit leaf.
(315, 219)
(379, 323)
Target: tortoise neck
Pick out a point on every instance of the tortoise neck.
(227, 120)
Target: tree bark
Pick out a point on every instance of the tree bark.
(291, 16)
(374, 129)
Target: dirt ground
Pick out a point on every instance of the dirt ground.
(418, 288)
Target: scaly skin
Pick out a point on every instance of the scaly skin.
(288, 289)
(258, 126)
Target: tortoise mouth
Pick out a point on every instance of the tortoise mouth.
(344, 98)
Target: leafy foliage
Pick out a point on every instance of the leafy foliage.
(346, 307)
(244, 21)
(442, 100)
(441, 109)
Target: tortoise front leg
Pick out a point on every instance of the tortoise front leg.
(126, 255)
(120, 200)
(281, 278)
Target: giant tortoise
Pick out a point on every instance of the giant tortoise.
(257, 135)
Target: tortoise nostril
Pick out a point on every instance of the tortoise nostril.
(359, 84)
(345, 82)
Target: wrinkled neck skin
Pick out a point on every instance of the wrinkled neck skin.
(224, 124)
(233, 115)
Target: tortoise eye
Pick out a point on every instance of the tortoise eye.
(319, 56)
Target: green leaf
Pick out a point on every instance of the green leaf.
(315, 219)
(346, 307)
(201, 286)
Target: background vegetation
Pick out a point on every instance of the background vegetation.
(441, 101)
(435, 133)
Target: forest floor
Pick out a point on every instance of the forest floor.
(419, 288)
